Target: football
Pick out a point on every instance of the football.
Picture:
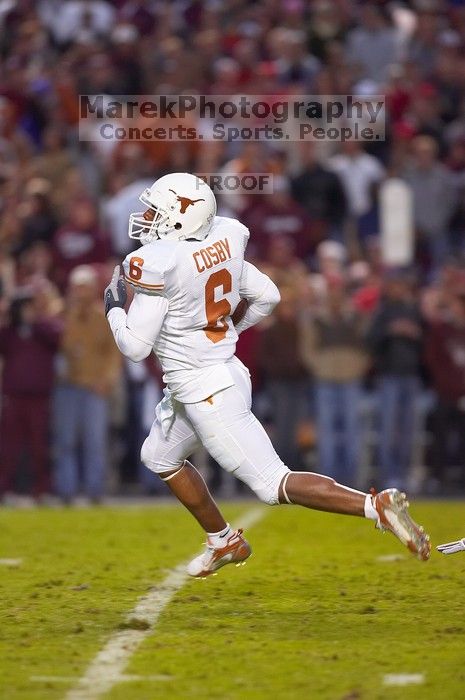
(239, 312)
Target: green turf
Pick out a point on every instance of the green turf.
(313, 615)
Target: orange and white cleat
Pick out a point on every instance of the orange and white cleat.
(235, 551)
(392, 508)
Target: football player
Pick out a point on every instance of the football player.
(194, 294)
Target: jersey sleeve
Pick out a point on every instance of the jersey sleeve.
(245, 234)
(136, 332)
(261, 293)
(145, 273)
(253, 283)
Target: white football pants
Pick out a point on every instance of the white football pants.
(226, 427)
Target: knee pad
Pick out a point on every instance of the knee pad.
(264, 484)
(155, 462)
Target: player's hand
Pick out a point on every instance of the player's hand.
(115, 294)
(452, 547)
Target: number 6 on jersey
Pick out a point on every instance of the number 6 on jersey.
(216, 311)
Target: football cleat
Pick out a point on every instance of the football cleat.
(235, 551)
(452, 547)
(392, 508)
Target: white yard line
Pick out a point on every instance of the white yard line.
(391, 558)
(403, 679)
(123, 678)
(11, 562)
(108, 666)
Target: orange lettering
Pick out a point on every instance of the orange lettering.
(195, 255)
(217, 311)
(225, 243)
(220, 251)
(206, 258)
(213, 254)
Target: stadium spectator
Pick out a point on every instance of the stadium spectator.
(53, 161)
(424, 112)
(332, 349)
(284, 375)
(15, 144)
(281, 263)
(28, 347)
(291, 64)
(445, 357)
(37, 219)
(434, 198)
(320, 192)
(78, 20)
(80, 241)
(373, 45)
(254, 157)
(331, 257)
(326, 27)
(59, 196)
(91, 367)
(423, 45)
(365, 287)
(396, 342)
(126, 60)
(280, 215)
(140, 14)
(455, 163)
(360, 173)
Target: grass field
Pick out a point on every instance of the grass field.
(314, 614)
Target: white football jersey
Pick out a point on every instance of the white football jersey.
(201, 282)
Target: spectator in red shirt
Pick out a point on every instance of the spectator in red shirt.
(279, 215)
(79, 242)
(28, 345)
(285, 375)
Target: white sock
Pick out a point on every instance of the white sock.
(218, 539)
(370, 510)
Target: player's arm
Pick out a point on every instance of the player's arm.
(136, 331)
(261, 295)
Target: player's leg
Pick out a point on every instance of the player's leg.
(239, 443)
(189, 487)
(389, 508)
(236, 439)
(165, 453)
(224, 545)
(321, 493)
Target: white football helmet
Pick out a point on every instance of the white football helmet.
(180, 206)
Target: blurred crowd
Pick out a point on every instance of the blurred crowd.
(360, 373)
